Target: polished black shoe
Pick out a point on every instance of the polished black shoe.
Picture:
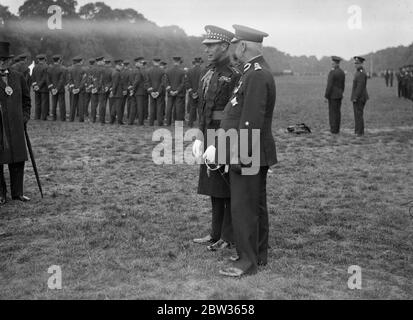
(22, 198)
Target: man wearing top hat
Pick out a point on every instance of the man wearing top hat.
(215, 90)
(41, 88)
(57, 80)
(193, 77)
(175, 88)
(249, 111)
(15, 107)
(156, 90)
(359, 95)
(334, 94)
(22, 66)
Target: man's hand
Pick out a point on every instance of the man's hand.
(54, 92)
(197, 148)
(209, 154)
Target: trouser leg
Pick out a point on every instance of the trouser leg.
(169, 107)
(221, 225)
(334, 106)
(37, 105)
(94, 107)
(132, 110)
(81, 107)
(55, 100)
(160, 110)
(140, 104)
(180, 109)
(45, 105)
(62, 105)
(3, 187)
(249, 216)
(358, 117)
(16, 179)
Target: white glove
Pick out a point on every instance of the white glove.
(209, 154)
(197, 148)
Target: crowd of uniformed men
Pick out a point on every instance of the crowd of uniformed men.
(405, 82)
(104, 90)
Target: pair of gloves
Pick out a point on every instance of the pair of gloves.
(209, 154)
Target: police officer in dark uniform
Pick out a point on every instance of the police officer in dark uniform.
(22, 66)
(334, 94)
(194, 75)
(215, 89)
(41, 88)
(87, 96)
(117, 93)
(359, 95)
(156, 90)
(15, 108)
(175, 89)
(57, 80)
(96, 86)
(250, 109)
(138, 93)
(106, 81)
(78, 80)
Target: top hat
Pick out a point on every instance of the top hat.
(5, 50)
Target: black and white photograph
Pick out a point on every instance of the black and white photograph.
(223, 152)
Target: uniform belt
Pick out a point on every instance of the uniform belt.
(217, 115)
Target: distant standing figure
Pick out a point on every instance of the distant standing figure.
(391, 78)
(334, 94)
(359, 95)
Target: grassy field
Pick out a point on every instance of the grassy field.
(120, 227)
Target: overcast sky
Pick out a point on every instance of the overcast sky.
(297, 27)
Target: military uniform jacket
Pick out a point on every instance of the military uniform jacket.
(193, 77)
(335, 84)
(251, 107)
(155, 80)
(78, 78)
(14, 112)
(117, 86)
(57, 77)
(23, 69)
(106, 78)
(139, 82)
(215, 89)
(175, 81)
(40, 77)
(359, 92)
(97, 76)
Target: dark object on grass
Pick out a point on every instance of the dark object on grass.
(29, 147)
(301, 128)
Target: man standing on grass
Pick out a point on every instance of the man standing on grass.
(57, 80)
(250, 113)
(215, 90)
(15, 107)
(40, 87)
(334, 94)
(359, 95)
(175, 88)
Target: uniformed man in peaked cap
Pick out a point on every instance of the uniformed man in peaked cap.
(156, 90)
(334, 94)
(215, 89)
(41, 88)
(359, 95)
(78, 80)
(138, 93)
(250, 108)
(175, 89)
(106, 82)
(194, 75)
(14, 114)
(57, 80)
(117, 93)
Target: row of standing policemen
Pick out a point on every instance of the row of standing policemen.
(405, 82)
(145, 92)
